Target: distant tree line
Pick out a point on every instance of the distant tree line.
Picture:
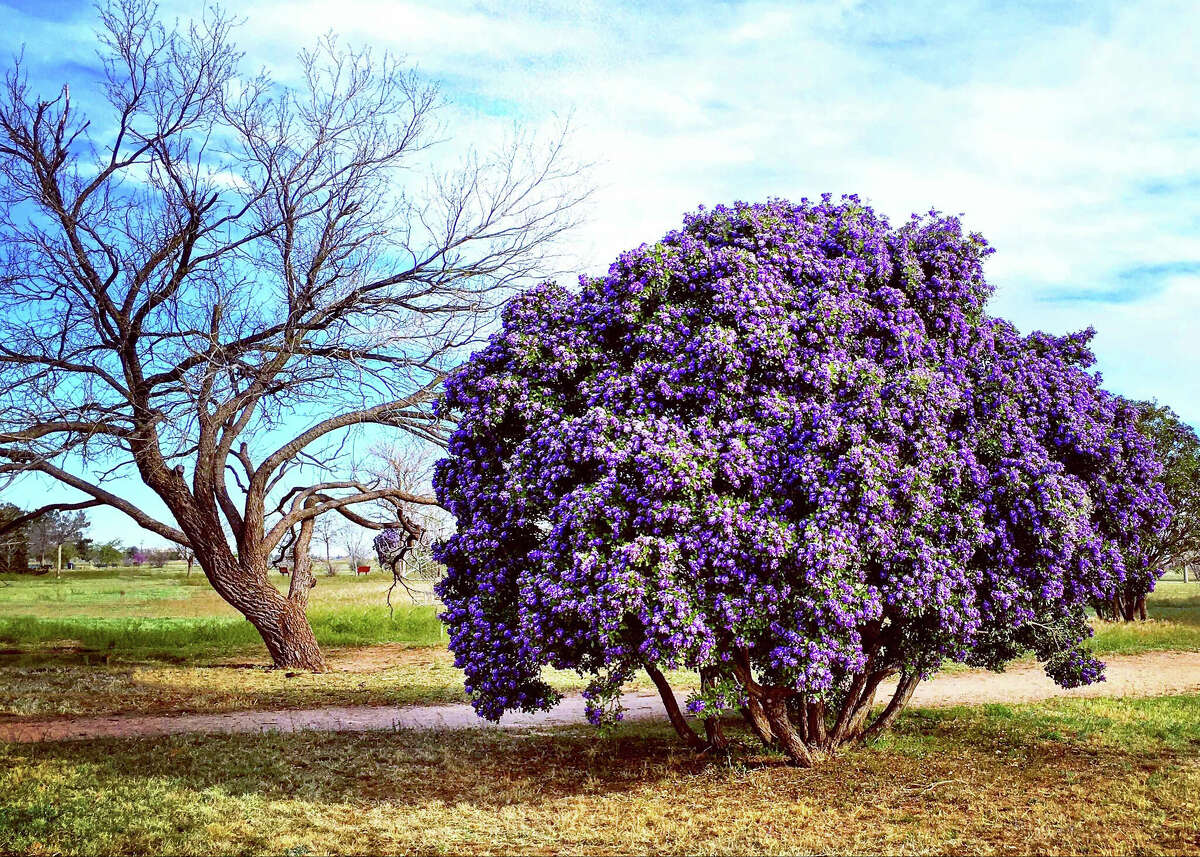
(33, 542)
(40, 540)
(30, 541)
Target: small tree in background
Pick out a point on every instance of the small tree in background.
(53, 534)
(786, 448)
(108, 554)
(14, 540)
(356, 546)
(325, 533)
(1178, 544)
(189, 556)
(159, 557)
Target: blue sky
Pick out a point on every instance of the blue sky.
(1067, 133)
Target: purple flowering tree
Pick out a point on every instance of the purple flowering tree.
(787, 448)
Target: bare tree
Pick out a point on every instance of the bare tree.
(356, 549)
(220, 282)
(187, 555)
(325, 531)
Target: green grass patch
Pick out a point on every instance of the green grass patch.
(349, 610)
(1174, 624)
(166, 614)
(365, 626)
(182, 639)
(1135, 725)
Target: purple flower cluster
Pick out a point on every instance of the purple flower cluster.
(790, 431)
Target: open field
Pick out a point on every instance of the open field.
(1174, 623)
(164, 615)
(157, 642)
(170, 591)
(1086, 776)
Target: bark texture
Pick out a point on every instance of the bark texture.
(678, 721)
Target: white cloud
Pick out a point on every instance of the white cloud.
(1067, 133)
(1044, 124)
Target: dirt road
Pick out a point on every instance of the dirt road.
(1150, 674)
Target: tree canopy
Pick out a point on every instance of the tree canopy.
(786, 447)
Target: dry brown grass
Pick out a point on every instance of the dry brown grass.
(72, 684)
(66, 686)
(1094, 776)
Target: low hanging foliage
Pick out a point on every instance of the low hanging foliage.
(787, 448)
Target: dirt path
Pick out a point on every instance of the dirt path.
(1150, 674)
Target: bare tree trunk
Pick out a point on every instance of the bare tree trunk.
(1129, 607)
(280, 620)
(682, 729)
(757, 720)
(862, 709)
(816, 725)
(714, 734)
(301, 649)
(859, 719)
(860, 693)
(284, 627)
(775, 709)
(904, 691)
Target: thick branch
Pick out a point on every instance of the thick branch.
(671, 704)
(18, 522)
(105, 497)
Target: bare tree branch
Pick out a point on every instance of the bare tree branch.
(230, 276)
(21, 520)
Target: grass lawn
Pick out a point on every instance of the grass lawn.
(164, 615)
(1173, 625)
(1086, 776)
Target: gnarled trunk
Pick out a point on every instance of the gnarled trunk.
(804, 728)
(284, 627)
(280, 620)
